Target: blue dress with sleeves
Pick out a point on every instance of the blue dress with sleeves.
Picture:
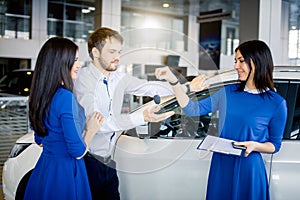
(58, 174)
(243, 116)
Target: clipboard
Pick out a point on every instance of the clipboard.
(220, 145)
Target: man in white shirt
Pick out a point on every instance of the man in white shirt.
(99, 87)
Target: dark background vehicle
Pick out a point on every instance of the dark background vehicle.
(17, 82)
(14, 91)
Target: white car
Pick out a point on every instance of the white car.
(161, 160)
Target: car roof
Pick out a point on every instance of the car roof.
(23, 70)
(287, 72)
(280, 72)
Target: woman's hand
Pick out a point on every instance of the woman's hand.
(93, 124)
(250, 146)
(165, 73)
(266, 147)
(198, 83)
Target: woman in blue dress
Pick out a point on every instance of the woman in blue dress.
(59, 123)
(251, 113)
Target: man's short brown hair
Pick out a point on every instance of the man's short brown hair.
(98, 37)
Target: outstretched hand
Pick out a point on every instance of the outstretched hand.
(165, 73)
(150, 116)
(198, 83)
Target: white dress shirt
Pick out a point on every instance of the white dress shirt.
(95, 92)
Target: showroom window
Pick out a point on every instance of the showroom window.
(15, 19)
(293, 32)
(292, 8)
(229, 18)
(72, 20)
(162, 30)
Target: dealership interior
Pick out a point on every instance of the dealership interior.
(156, 33)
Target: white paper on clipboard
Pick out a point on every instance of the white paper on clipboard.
(220, 145)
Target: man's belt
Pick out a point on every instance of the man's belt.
(104, 160)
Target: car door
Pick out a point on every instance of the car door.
(284, 168)
(161, 160)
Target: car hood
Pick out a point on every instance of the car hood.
(4, 94)
(27, 138)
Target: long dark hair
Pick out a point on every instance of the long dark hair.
(53, 67)
(261, 56)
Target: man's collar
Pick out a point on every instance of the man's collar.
(96, 71)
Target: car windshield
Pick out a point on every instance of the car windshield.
(179, 125)
(182, 126)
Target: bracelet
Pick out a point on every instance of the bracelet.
(174, 83)
(188, 88)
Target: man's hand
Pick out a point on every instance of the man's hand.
(150, 116)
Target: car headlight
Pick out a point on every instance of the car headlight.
(17, 149)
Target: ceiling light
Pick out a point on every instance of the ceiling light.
(85, 11)
(165, 5)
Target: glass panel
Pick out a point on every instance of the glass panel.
(15, 19)
(290, 8)
(55, 27)
(71, 19)
(157, 20)
(156, 31)
(296, 119)
(179, 125)
(55, 11)
(74, 13)
(291, 92)
(230, 25)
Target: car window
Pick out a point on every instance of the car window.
(296, 119)
(183, 126)
(290, 90)
(295, 130)
(180, 125)
(3, 81)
